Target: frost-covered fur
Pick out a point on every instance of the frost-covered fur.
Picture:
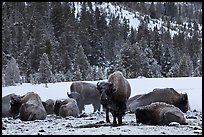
(28, 107)
(114, 95)
(159, 113)
(70, 108)
(85, 93)
(167, 95)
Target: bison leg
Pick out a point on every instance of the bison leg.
(114, 119)
(120, 120)
(107, 116)
(81, 107)
(96, 106)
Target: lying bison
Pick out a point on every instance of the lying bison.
(57, 105)
(27, 107)
(167, 95)
(49, 106)
(114, 95)
(85, 94)
(66, 107)
(52, 106)
(69, 108)
(159, 113)
(6, 104)
(130, 100)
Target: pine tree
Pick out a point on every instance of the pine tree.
(132, 36)
(132, 59)
(12, 73)
(31, 78)
(125, 29)
(156, 45)
(44, 70)
(166, 62)
(81, 61)
(183, 68)
(77, 75)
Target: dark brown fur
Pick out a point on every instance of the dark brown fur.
(167, 95)
(114, 95)
(159, 113)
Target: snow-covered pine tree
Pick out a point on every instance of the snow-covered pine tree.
(185, 66)
(12, 73)
(81, 61)
(60, 77)
(31, 78)
(77, 75)
(166, 62)
(45, 72)
(181, 69)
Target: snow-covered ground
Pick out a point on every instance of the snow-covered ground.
(56, 125)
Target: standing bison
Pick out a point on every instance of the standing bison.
(167, 95)
(85, 94)
(27, 107)
(114, 95)
(6, 104)
(159, 113)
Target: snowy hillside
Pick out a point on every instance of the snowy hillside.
(135, 17)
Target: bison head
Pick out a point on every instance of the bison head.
(106, 91)
(15, 105)
(58, 104)
(183, 103)
(106, 87)
(143, 116)
(74, 95)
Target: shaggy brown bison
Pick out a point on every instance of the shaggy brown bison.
(159, 113)
(6, 104)
(114, 95)
(49, 106)
(27, 107)
(69, 108)
(85, 93)
(167, 95)
(57, 105)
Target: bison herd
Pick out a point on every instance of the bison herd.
(158, 107)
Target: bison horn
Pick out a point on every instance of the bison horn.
(98, 84)
(67, 94)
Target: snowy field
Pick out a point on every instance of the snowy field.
(70, 125)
